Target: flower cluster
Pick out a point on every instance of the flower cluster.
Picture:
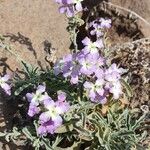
(107, 81)
(49, 111)
(70, 7)
(101, 80)
(97, 26)
(4, 85)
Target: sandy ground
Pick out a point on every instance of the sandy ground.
(32, 28)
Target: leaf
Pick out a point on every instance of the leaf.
(28, 134)
(127, 87)
(83, 133)
(46, 144)
(64, 128)
(23, 87)
(2, 134)
(56, 142)
(138, 122)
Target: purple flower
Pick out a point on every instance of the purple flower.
(99, 73)
(70, 7)
(88, 64)
(68, 10)
(51, 119)
(113, 73)
(112, 77)
(46, 127)
(61, 96)
(114, 88)
(94, 88)
(39, 97)
(105, 23)
(33, 110)
(91, 47)
(58, 66)
(98, 25)
(99, 99)
(78, 5)
(67, 7)
(69, 67)
(4, 85)
(61, 105)
(64, 1)
(97, 30)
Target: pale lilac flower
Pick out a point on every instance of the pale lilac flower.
(70, 7)
(46, 127)
(64, 1)
(99, 99)
(91, 47)
(54, 109)
(113, 73)
(99, 73)
(105, 23)
(4, 85)
(33, 110)
(69, 67)
(72, 68)
(68, 10)
(78, 5)
(51, 119)
(67, 7)
(58, 67)
(94, 88)
(98, 25)
(115, 88)
(88, 64)
(99, 62)
(61, 96)
(39, 96)
(61, 104)
(97, 30)
(112, 77)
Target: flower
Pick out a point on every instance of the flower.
(33, 110)
(112, 77)
(105, 23)
(91, 47)
(39, 96)
(46, 127)
(4, 85)
(78, 5)
(68, 10)
(99, 73)
(97, 30)
(70, 7)
(61, 104)
(113, 73)
(95, 88)
(98, 25)
(88, 64)
(51, 119)
(69, 67)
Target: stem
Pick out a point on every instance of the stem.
(75, 39)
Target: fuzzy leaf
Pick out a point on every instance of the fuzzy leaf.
(20, 89)
(127, 88)
(64, 128)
